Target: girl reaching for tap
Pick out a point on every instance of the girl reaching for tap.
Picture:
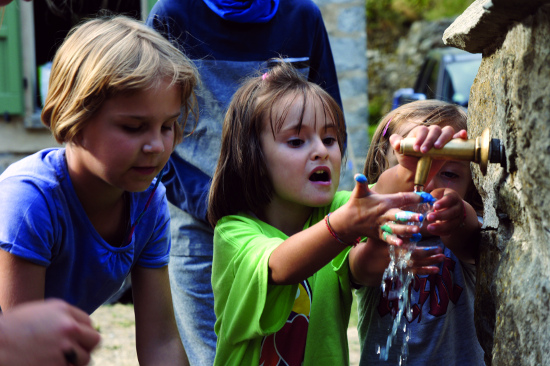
(441, 323)
(279, 221)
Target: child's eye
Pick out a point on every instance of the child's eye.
(131, 128)
(329, 141)
(295, 143)
(450, 175)
(168, 127)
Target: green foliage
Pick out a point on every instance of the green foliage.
(376, 104)
(382, 13)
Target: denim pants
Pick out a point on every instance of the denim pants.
(194, 306)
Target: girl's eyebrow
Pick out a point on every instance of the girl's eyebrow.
(145, 118)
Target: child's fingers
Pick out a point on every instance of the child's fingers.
(445, 135)
(402, 217)
(462, 134)
(426, 270)
(391, 201)
(395, 141)
(452, 213)
(424, 260)
(431, 138)
(399, 229)
(361, 186)
(425, 256)
(391, 239)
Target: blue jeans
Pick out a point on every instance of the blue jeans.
(194, 306)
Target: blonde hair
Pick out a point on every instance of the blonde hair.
(241, 181)
(107, 56)
(425, 112)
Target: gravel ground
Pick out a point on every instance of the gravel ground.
(118, 345)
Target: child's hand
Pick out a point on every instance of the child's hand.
(426, 138)
(369, 214)
(449, 212)
(424, 260)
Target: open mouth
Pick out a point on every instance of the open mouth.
(320, 176)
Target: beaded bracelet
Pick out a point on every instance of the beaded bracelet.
(335, 236)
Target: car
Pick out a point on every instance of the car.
(447, 74)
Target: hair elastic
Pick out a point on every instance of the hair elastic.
(335, 236)
(265, 75)
(386, 128)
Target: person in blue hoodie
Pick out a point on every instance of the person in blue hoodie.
(228, 40)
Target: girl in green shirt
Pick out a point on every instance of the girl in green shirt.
(279, 222)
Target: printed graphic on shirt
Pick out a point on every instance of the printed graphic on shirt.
(287, 346)
(439, 289)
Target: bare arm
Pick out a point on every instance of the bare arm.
(157, 338)
(306, 252)
(20, 280)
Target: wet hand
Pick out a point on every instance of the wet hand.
(449, 212)
(366, 212)
(424, 260)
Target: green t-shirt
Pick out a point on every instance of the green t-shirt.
(257, 320)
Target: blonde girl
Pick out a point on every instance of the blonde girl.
(441, 323)
(76, 221)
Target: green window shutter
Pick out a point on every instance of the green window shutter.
(150, 4)
(11, 63)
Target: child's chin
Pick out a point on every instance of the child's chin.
(136, 188)
(322, 202)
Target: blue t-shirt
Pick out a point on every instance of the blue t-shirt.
(43, 221)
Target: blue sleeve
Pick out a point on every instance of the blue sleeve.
(323, 69)
(26, 222)
(186, 187)
(156, 252)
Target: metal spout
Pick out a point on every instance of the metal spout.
(480, 150)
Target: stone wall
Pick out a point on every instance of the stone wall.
(346, 25)
(511, 96)
(392, 68)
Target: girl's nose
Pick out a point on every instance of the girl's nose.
(430, 186)
(320, 151)
(155, 145)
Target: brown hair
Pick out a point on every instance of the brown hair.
(107, 56)
(426, 112)
(241, 181)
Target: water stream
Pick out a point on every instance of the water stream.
(396, 285)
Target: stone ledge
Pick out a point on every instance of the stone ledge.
(486, 21)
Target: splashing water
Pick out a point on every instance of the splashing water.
(396, 285)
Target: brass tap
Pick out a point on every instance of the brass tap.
(480, 150)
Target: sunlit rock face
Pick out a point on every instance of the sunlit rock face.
(511, 96)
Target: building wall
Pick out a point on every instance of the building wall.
(346, 24)
(511, 95)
